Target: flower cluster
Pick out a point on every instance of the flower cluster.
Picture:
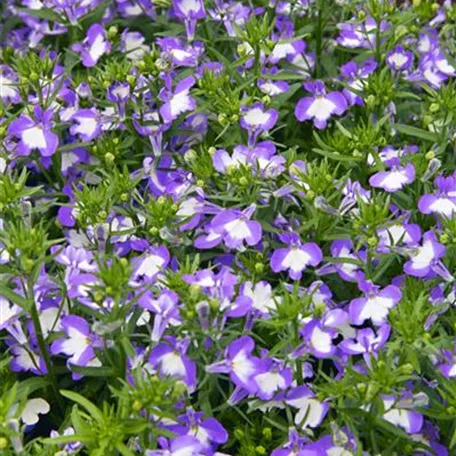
(227, 227)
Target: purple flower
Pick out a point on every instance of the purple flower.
(94, 46)
(317, 339)
(151, 263)
(321, 106)
(234, 227)
(177, 101)
(311, 412)
(35, 133)
(406, 233)
(119, 93)
(296, 257)
(395, 178)
(443, 201)
(399, 59)
(185, 445)
(132, 44)
(424, 258)
(171, 360)
(166, 311)
(256, 120)
(375, 304)
(240, 364)
(208, 431)
(355, 74)
(448, 365)
(400, 413)
(274, 379)
(78, 344)
(366, 343)
(88, 124)
(190, 11)
(8, 81)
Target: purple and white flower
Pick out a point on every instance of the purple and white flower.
(256, 120)
(35, 133)
(94, 46)
(399, 59)
(366, 343)
(178, 101)
(322, 106)
(395, 178)
(170, 358)
(425, 258)
(78, 344)
(296, 257)
(375, 305)
(189, 11)
(443, 201)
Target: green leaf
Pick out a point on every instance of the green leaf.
(14, 297)
(44, 13)
(93, 410)
(88, 371)
(84, 438)
(416, 132)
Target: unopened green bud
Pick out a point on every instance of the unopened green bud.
(200, 183)
(434, 107)
(194, 290)
(451, 410)
(361, 15)
(266, 99)
(154, 231)
(361, 387)
(371, 101)
(242, 50)
(238, 434)
(430, 155)
(109, 158)
(3, 443)
(211, 151)
(234, 118)
(408, 368)
(310, 195)
(267, 433)
(243, 181)
(400, 31)
(259, 267)
(112, 32)
(190, 156)
(124, 262)
(223, 119)
(260, 450)
(34, 76)
(137, 406)
(372, 241)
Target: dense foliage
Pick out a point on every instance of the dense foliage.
(227, 227)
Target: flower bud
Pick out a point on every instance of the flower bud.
(112, 32)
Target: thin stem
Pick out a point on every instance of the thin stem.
(319, 39)
(42, 345)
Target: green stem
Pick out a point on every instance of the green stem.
(319, 40)
(42, 346)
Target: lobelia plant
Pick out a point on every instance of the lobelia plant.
(227, 227)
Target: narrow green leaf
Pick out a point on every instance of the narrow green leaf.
(416, 132)
(44, 13)
(83, 402)
(14, 297)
